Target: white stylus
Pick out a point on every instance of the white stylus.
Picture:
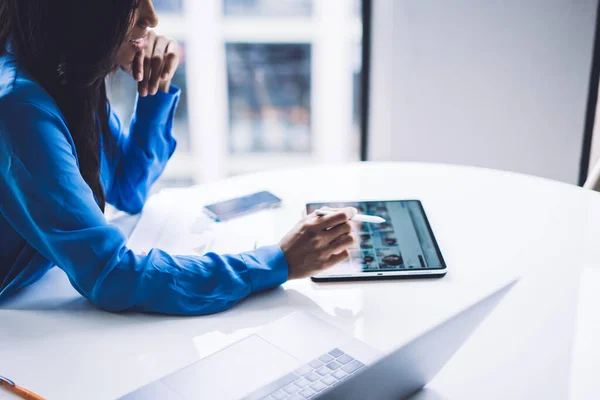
(358, 217)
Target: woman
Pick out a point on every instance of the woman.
(64, 155)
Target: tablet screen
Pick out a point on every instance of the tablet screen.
(404, 242)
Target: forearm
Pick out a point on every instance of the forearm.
(144, 153)
(46, 200)
(183, 285)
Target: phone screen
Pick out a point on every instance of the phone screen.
(228, 209)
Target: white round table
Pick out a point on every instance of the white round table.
(491, 226)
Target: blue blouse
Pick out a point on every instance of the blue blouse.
(49, 216)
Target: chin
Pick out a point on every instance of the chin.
(125, 55)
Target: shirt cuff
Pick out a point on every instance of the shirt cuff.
(158, 108)
(267, 266)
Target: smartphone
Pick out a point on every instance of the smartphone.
(228, 209)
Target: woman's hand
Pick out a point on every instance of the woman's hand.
(154, 66)
(317, 243)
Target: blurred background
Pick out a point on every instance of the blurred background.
(262, 68)
(271, 84)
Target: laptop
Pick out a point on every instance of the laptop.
(303, 357)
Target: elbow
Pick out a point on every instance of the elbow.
(133, 203)
(133, 208)
(110, 298)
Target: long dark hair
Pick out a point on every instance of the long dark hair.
(69, 48)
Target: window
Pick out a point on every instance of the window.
(595, 149)
(266, 84)
(270, 8)
(168, 6)
(269, 97)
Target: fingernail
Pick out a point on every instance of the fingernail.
(165, 76)
(138, 77)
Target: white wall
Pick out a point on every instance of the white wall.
(500, 84)
(595, 151)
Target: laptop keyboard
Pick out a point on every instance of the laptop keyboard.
(310, 379)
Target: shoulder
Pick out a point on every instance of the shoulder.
(33, 132)
(20, 95)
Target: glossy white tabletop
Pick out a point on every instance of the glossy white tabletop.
(491, 226)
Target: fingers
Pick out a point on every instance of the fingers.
(337, 231)
(337, 258)
(341, 243)
(171, 60)
(143, 84)
(156, 63)
(137, 68)
(327, 221)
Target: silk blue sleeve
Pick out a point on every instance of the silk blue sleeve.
(46, 200)
(138, 157)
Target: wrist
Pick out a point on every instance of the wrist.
(267, 267)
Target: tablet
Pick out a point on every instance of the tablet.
(402, 247)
